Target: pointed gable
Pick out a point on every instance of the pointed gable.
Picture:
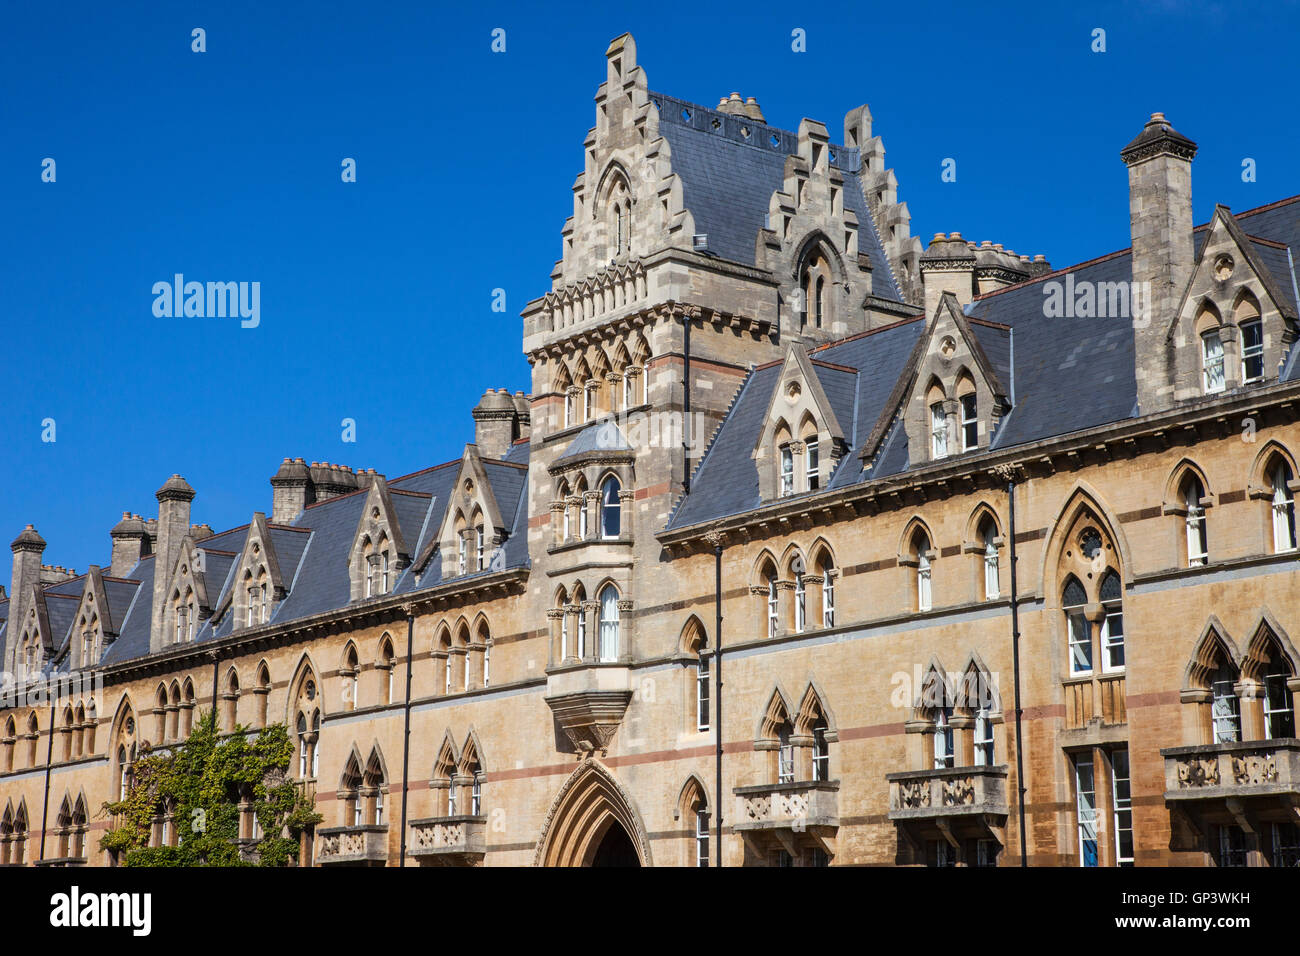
(93, 626)
(257, 584)
(472, 505)
(379, 551)
(950, 396)
(801, 436)
(1235, 318)
(187, 602)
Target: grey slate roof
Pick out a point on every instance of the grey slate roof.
(604, 435)
(728, 180)
(1063, 374)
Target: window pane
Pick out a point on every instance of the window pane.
(1086, 810)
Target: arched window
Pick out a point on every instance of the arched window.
(944, 752)
(1073, 600)
(232, 699)
(580, 492)
(983, 735)
(784, 755)
(821, 753)
(609, 624)
(579, 599)
(700, 816)
(767, 588)
(826, 568)
(819, 302)
(350, 785)
(695, 643)
(787, 471)
(1283, 510)
(263, 692)
(800, 595)
(300, 728)
(1112, 625)
(387, 665)
(1193, 493)
(921, 553)
(1225, 708)
(561, 614)
(566, 512)
(611, 510)
(351, 678)
(374, 788)
(988, 538)
(1273, 672)
(478, 548)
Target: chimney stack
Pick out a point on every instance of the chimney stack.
(130, 544)
(496, 423)
(174, 499)
(948, 265)
(1159, 165)
(28, 548)
(292, 490)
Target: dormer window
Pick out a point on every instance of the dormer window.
(462, 547)
(478, 547)
(787, 471)
(938, 431)
(1252, 351)
(383, 573)
(970, 427)
(811, 464)
(1212, 361)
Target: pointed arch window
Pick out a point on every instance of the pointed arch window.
(988, 537)
(821, 751)
(924, 572)
(983, 737)
(611, 510)
(785, 756)
(1225, 708)
(1283, 508)
(1073, 601)
(1279, 706)
(1112, 624)
(609, 623)
(700, 811)
(787, 471)
(826, 569)
(800, 598)
(1197, 538)
(944, 753)
(579, 599)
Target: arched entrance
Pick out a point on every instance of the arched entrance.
(615, 849)
(592, 823)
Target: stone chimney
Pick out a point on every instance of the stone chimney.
(330, 481)
(292, 490)
(28, 548)
(130, 544)
(174, 499)
(524, 409)
(1159, 165)
(948, 265)
(736, 106)
(496, 423)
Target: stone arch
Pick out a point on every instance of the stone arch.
(1266, 632)
(775, 714)
(589, 803)
(1213, 643)
(693, 637)
(915, 524)
(976, 672)
(1082, 502)
(1260, 478)
(811, 706)
(693, 790)
(1177, 475)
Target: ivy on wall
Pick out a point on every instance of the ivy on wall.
(204, 781)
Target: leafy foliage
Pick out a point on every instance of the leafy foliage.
(204, 780)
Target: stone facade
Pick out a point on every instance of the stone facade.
(735, 377)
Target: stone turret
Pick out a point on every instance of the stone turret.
(28, 548)
(174, 499)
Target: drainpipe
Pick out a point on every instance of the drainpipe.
(1015, 664)
(216, 663)
(717, 676)
(406, 732)
(686, 409)
(49, 760)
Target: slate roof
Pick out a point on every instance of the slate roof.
(728, 180)
(604, 435)
(1063, 375)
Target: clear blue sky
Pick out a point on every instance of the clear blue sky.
(376, 296)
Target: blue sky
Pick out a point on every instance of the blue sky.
(376, 295)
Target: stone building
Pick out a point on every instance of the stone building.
(755, 399)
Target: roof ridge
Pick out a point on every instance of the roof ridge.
(863, 335)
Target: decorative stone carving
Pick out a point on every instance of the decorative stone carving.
(1198, 772)
(958, 792)
(1253, 769)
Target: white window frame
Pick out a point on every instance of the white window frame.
(992, 584)
(610, 488)
(564, 635)
(828, 598)
(610, 624)
(1110, 641)
(1225, 711)
(924, 582)
(476, 795)
(702, 693)
(772, 606)
(938, 431)
(1085, 808)
(983, 739)
(821, 755)
(478, 547)
(784, 759)
(701, 836)
(1269, 683)
(945, 753)
(1121, 792)
(1198, 552)
(383, 572)
(787, 471)
(1079, 630)
(462, 555)
(582, 632)
(812, 464)
(1249, 352)
(800, 603)
(1212, 363)
(970, 435)
(1283, 506)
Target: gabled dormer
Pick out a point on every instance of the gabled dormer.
(1235, 323)
(801, 440)
(92, 629)
(35, 646)
(187, 605)
(379, 551)
(472, 527)
(257, 585)
(953, 397)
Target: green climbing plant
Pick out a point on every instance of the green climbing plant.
(204, 781)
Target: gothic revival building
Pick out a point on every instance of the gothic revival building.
(756, 401)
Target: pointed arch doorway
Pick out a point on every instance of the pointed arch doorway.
(592, 823)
